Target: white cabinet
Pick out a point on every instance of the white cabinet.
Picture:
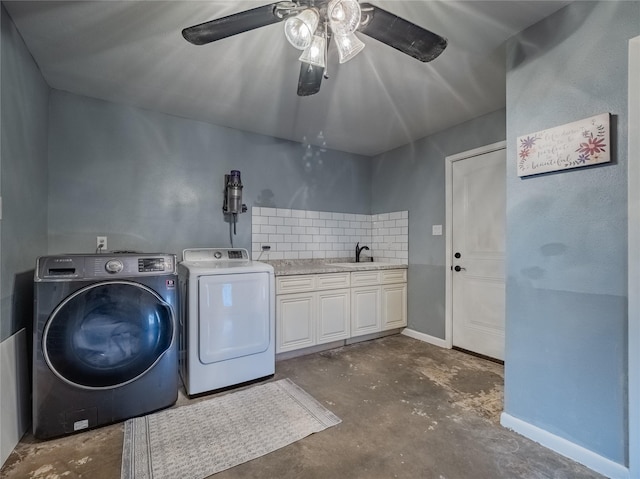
(295, 321)
(394, 305)
(380, 302)
(311, 309)
(365, 310)
(333, 315)
(314, 309)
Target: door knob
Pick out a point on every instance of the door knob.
(459, 268)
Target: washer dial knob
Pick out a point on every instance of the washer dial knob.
(217, 255)
(114, 266)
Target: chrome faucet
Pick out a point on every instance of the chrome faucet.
(359, 250)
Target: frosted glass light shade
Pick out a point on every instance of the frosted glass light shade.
(315, 54)
(299, 30)
(344, 16)
(348, 46)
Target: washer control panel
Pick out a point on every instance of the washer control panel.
(76, 266)
(114, 266)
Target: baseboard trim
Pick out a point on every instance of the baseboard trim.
(567, 448)
(425, 338)
(15, 407)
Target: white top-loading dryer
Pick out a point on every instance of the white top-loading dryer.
(227, 319)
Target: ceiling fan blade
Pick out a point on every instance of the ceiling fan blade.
(224, 27)
(310, 79)
(400, 34)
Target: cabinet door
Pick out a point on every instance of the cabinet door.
(333, 315)
(365, 310)
(295, 321)
(394, 305)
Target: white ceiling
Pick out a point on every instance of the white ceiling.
(132, 52)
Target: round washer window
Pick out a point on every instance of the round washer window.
(107, 334)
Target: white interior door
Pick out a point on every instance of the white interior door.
(477, 244)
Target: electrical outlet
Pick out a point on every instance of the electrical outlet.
(101, 243)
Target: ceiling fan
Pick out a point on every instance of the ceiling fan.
(311, 24)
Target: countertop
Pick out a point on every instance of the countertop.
(320, 266)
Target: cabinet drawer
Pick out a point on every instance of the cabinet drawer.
(365, 278)
(295, 284)
(394, 276)
(332, 281)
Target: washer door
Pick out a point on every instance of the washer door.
(107, 334)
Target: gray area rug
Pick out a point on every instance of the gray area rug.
(195, 441)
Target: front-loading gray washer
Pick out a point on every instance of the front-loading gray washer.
(105, 339)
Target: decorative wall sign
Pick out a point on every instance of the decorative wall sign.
(581, 143)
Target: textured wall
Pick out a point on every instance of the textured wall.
(154, 182)
(23, 172)
(566, 353)
(413, 178)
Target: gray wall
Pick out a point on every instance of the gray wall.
(566, 356)
(23, 172)
(154, 182)
(413, 178)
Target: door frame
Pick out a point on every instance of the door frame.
(633, 201)
(448, 175)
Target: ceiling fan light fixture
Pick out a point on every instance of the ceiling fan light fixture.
(315, 53)
(344, 16)
(299, 29)
(348, 46)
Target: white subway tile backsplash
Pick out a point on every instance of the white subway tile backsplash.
(303, 234)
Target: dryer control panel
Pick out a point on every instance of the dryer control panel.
(215, 254)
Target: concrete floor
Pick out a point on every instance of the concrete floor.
(408, 410)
